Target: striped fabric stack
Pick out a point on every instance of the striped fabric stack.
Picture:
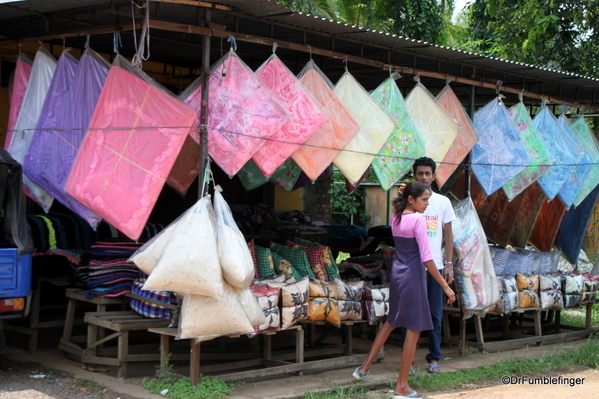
(110, 274)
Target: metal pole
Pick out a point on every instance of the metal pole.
(469, 156)
(203, 128)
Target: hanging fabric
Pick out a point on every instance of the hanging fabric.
(134, 138)
(547, 224)
(589, 142)
(375, 128)
(464, 141)
(562, 157)
(405, 144)
(499, 153)
(574, 225)
(50, 118)
(54, 149)
(530, 207)
(39, 83)
(251, 176)
(317, 153)
(17, 88)
(577, 180)
(497, 214)
(590, 244)
(286, 175)
(306, 117)
(243, 114)
(438, 130)
(538, 154)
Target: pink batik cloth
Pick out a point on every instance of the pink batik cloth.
(17, 93)
(134, 137)
(306, 116)
(242, 115)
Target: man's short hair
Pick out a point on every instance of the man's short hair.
(424, 161)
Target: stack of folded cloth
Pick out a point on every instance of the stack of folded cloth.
(110, 273)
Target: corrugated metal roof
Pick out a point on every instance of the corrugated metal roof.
(267, 18)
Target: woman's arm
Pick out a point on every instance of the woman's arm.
(432, 269)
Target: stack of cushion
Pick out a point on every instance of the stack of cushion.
(375, 302)
(322, 302)
(149, 309)
(349, 296)
(528, 287)
(589, 291)
(572, 286)
(294, 301)
(550, 291)
(268, 298)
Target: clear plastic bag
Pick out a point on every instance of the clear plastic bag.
(587, 139)
(233, 253)
(17, 89)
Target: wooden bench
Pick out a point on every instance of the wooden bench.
(121, 322)
(347, 348)
(277, 364)
(69, 343)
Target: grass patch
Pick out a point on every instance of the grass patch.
(89, 385)
(562, 358)
(576, 317)
(181, 388)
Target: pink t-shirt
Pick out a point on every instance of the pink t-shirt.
(413, 225)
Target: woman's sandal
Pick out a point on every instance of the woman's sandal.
(410, 396)
(359, 376)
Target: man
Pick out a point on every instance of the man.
(439, 216)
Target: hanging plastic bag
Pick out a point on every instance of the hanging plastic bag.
(499, 153)
(189, 263)
(233, 253)
(374, 131)
(587, 139)
(475, 274)
(405, 143)
(17, 88)
(538, 154)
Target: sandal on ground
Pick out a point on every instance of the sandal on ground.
(410, 396)
(434, 369)
(359, 376)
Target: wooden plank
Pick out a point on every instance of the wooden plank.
(196, 3)
(100, 360)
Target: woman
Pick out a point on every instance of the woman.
(408, 303)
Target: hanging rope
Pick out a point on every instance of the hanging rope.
(116, 42)
(144, 38)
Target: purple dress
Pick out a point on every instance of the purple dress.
(408, 301)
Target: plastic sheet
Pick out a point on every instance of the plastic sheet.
(54, 149)
(42, 72)
(480, 290)
(307, 116)
(189, 262)
(586, 138)
(17, 88)
(436, 127)
(134, 138)
(233, 253)
(375, 128)
(243, 114)
(574, 226)
(499, 153)
(317, 153)
(538, 154)
(561, 155)
(577, 180)
(405, 144)
(464, 141)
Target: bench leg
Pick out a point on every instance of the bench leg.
(70, 318)
(194, 366)
(349, 344)
(299, 348)
(164, 353)
(123, 351)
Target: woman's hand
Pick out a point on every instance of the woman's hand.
(450, 294)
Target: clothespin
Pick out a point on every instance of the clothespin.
(233, 42)
(417, 77)
(86, 45)
(448, 80)
(274, 47)
(544, 102)
(521, 96)
(310, 51)
(564, 108)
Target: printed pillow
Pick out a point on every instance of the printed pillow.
(552, 299)
(349, 291)
(267, 297)
(550, 282)
(589, 285)
(293, 294)
(528, 299)
(292, 315)
(327, 256)
(273, 319)
(315, 257)
(265, 265)
(573, 285)
(297, 257)
(254, 259)
(588, 298)
(572, 301)
(509, 284)
(527, 282)
(284, 267)
(322, 303)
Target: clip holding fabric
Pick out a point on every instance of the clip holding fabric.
(233, 42)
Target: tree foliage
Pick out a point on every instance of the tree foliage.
(553, 34)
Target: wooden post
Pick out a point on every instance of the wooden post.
(194, 362)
